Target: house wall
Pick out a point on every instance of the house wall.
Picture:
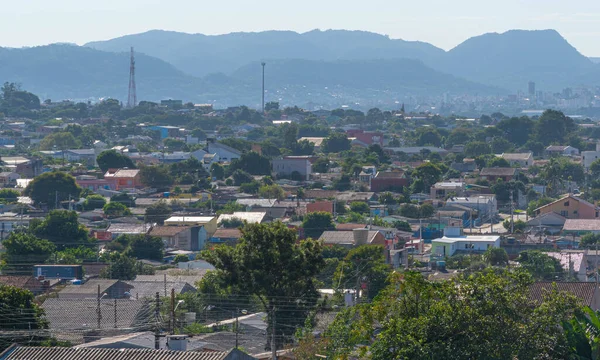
(288, 166)
(588, 157)
(224, 154)
(442, 249)
(326, 206)
(571, 209)
(382, 184)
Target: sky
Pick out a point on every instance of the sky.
(443, 23)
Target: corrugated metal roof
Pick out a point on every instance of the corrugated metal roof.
(61, 353)
(78, 314)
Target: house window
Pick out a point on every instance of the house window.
(564, 213)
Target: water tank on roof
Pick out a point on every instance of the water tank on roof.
(177, 342)
(360, 236)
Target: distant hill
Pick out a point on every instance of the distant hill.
(69, 71)
(595, 60)
(394, 77)
(508, 60)
(199, 54)
(513, 58)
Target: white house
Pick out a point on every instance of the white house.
(588, 157)
(453, 241)
(561, 150)
(225, 153)
(523, 160)
(485, 205)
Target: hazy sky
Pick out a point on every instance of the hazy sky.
(444, 23)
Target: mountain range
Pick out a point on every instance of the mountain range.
(330, 67)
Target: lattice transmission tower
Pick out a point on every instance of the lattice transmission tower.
(132, 96)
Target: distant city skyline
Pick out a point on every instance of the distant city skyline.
(439, 22)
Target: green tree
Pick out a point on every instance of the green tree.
(121, 267)
(249, 266)
(336, 142)
(519, 225)
(157, 213)
(428, 136)
(124, 199)
(241, 177)
(60, 140)
(115, 209)
(271, 192)
(595, 168)
(180, 258)
(111, 159)
(156, 176)
(62, 228)
(9, 195)
(496, 256)
(252, 163)
(146, 247)
(22, 251)
(459, 136)
(477, 148)
(321, 165)
(315, 223)
(271, 105)
(51, 186)
(94, 201)
(232, 223)
(387, 198)
(22, 317)
(360, 207)
(402, 225)
(498, 162)
(541, 266)
(589, 240)
(429, 173)
(363, 264)
(217, 171)
(343, 183)
(517, 130)
(554, 127)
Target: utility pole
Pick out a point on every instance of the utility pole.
(99, 313)
(273, 343)
(237, 327)
(263, 86)
(115, 313)
(512, 221)
(596, 266)
(157, 315)
(172, 317)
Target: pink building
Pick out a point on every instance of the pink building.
(367, 137)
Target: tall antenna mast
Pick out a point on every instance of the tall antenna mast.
(263, 86)
(132, 96)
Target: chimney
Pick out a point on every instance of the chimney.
(177, 342)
